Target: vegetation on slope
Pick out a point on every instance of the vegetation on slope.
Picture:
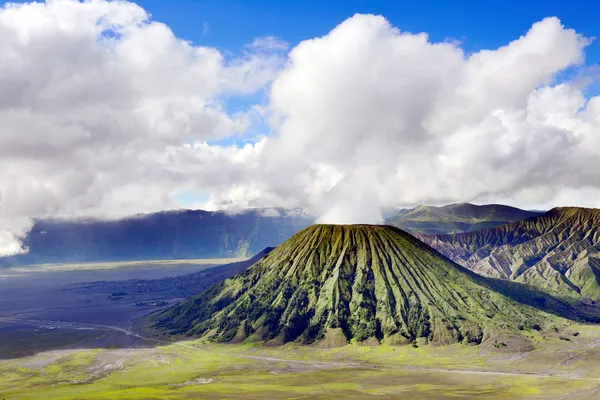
(558, 251)
(462, 217)
(363, 282)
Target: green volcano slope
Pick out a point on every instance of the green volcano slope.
(558, 252)
(453, 218)
(363, 282)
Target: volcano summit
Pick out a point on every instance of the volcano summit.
(357, 283)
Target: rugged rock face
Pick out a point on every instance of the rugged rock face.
(365, 283)
(558, 252)
(453, 218)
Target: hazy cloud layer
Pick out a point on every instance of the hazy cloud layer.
(94, 96)
(104, 112)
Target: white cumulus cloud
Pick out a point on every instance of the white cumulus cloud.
(403, 120)
(93, 95)
(105, 112)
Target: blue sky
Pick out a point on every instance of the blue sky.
(228, 24)
(231, 24)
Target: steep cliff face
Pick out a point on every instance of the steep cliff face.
(558, 251)
(365, 282)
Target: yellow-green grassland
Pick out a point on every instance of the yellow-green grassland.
(555, 369)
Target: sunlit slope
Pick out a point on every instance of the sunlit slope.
(461, 217)
(363, 282)
(558, 251)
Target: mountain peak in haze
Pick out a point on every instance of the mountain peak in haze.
(459, 217)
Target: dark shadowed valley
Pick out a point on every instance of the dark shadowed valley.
(84, 306)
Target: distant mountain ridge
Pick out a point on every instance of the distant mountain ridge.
(360, 283)
(188, 234)
(558, 251)
(460, 217)
(164, 235)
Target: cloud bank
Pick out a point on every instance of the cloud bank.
(105, 112)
